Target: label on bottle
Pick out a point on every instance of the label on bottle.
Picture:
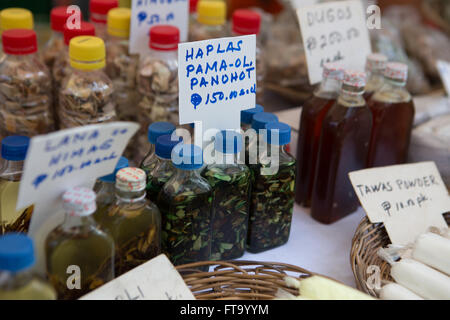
(334, 32)
(156, 279)
(444, 71)
(408, 198)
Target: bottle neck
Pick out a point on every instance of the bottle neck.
(183, 175)
(351, 96)
(329, 87)
(130, 196)
(12, 170)
(20, 57)
(164, 54)
(71, 221)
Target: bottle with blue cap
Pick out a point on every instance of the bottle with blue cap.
(230, 181)
(13, 151)
(273, 191)
(17, 281)
(185, 202)
(247, 116)
(259, 122)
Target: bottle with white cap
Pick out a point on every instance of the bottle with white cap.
(133, 221)
(344, 145)
(375, 66)
(79, 256)
(231, 181)
(393, 116)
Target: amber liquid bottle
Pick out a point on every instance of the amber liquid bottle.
(313, 113)
(393, 115)
(375, 66)
(344, 145)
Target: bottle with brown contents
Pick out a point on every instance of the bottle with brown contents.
(393, 115)
(343, 148)
(313, 112)
(98, 15)
(375, 66)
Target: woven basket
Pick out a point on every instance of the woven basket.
(237, 280)
(365, 244)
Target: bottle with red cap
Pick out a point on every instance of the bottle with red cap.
(313, 112)
(98, 15)
(344, 145)
(25, 87)
(393, 116)
(246, 22)
(375, 66)
(192, 11)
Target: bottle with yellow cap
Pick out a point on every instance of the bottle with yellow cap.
(87, 94)
(121, 66)
(211, 21)
(15, 18)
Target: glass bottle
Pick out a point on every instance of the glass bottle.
(230, 181)
(273, 191)
(25, 87)
(133, 221)
(121, 66)
(211, 21)
(17, 281)
(86, 95)
(164, 169)
(14, 150)
(393, 116)
(98, 15)
(343, 148)
(259, 122)
(313, 113)
(247, 116)
(185, 203)
(79, 256)
(375, 66)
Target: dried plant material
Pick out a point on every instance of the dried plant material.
(21, 224)
(158, 78)
(52, 50)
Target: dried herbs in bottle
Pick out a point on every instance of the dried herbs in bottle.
(14, 18)
(273, 192)
(79, 243)
(230, 181)
(259, 122)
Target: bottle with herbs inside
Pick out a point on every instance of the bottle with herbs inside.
(247, 116)
(98, 15)
(375, 66)
(14, 18)
(14, 150)
(230, 181)
(343, 148)
(133, 221)
(393, 116)
(313, 112)
(86, 95)
(211, 21)
(273, 192)
(185, 203)
(259, 122)
(25, 87)
(17, 281)
(78, 246)
(121, 66)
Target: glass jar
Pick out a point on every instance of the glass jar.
(86, 95)
(25, 87)
(273, 191)
(14, 150)
(17, 281)
(98, 15)
(133, 221)
(79, 256)
(375, 66)
(230, 181)
(211, 21)
(185, 203)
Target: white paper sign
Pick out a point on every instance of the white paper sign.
(217, 79)
(148, 13)
(407, 198)
(334, 32)
(154, 280)
(444, 72)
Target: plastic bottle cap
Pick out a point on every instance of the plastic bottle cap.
(16, 252)
(333, 70)
(87, 53)
(187, 157)
(247, 115)
(211, 12)
(278, 133)
(355, 79)
(122, 163)
(165, 145)
(158, 129)
(15, 148)
(19, 41)
(228, 141)
(99, 8)
(16, 18)
(86, 29)
(164, 38)
(131, 179)
(119, 22)
(261, 119)
(396, 71)
(376, 61)
(246, 22)
(58, 18)
(79, 202)
(193, 6)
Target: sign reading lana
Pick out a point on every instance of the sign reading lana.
(217, 79)
(148, 13)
